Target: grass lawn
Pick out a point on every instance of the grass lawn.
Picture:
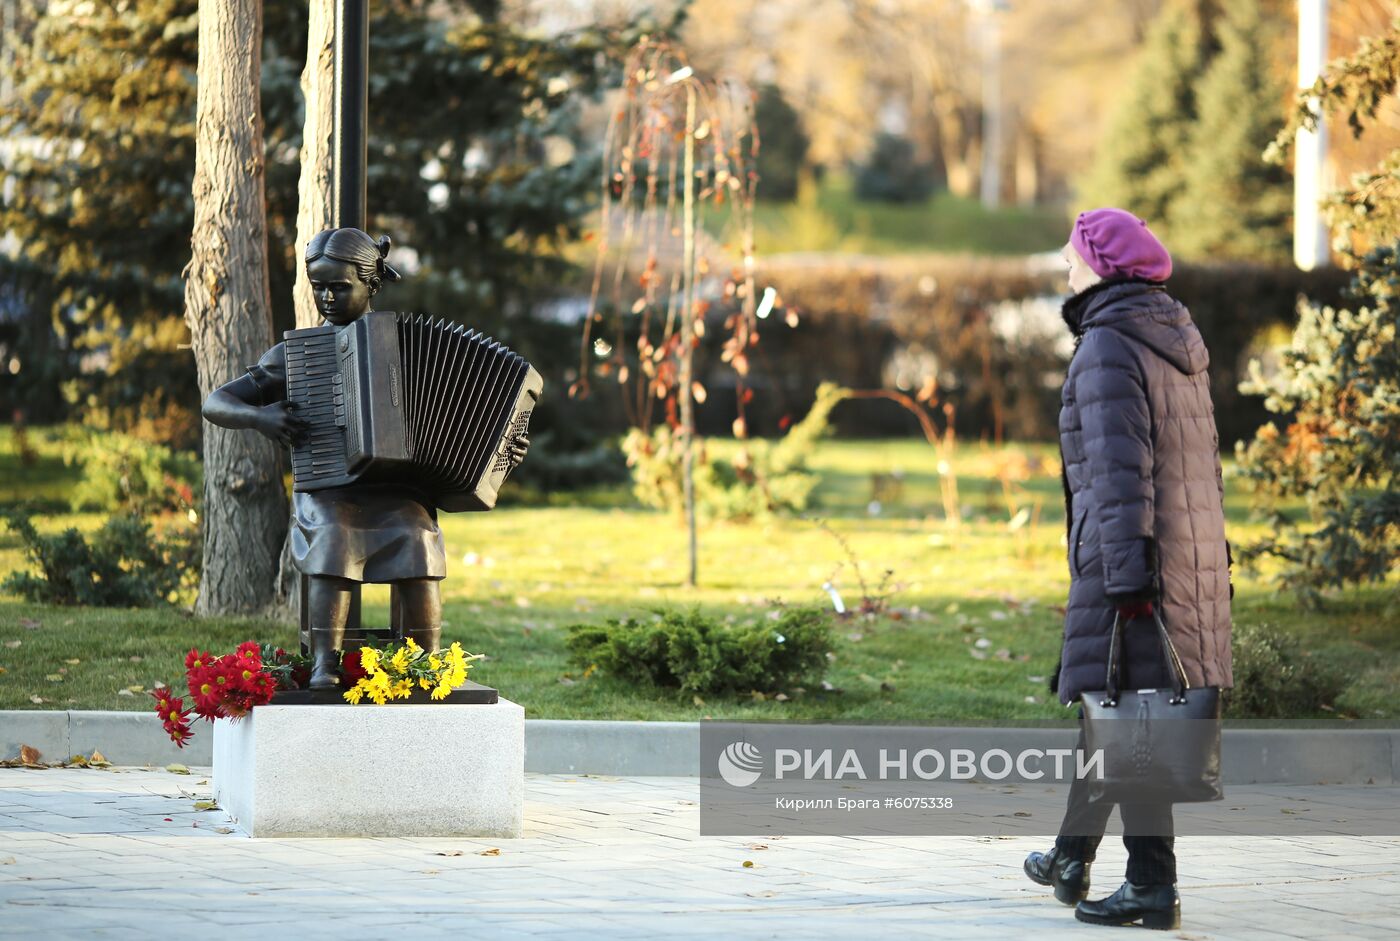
(833, 219)
(519, 574)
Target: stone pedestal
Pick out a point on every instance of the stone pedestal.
(374, 771)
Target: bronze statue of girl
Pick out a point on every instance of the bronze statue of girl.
(361, 532)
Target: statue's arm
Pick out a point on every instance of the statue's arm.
(240, 403)
(235, 404)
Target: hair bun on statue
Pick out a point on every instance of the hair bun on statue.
(386, 272)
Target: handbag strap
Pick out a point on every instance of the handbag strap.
(1180, 684)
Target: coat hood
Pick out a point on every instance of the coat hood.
(1145, 312)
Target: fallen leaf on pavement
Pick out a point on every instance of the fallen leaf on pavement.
(206, 805)
(493, 851)
(177, 769)
(449, 853)
(29, 754)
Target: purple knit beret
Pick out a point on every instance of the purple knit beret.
(1117, 244)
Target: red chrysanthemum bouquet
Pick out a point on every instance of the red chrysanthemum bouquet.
(228, 687)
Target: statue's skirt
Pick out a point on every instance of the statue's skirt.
(367, 534)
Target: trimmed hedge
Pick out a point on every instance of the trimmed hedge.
(855, 314)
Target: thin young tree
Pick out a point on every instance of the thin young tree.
(228, 308)
(676, 145)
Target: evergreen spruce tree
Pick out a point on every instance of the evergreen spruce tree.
(1234, 204)
(1142, 161)
(1338, 390)
(101, 135)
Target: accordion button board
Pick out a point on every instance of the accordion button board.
(408, 400)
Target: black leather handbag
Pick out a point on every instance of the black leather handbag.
(1158, 745)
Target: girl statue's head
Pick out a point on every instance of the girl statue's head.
(346, 268)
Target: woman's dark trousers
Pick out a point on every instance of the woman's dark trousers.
(1147, 832)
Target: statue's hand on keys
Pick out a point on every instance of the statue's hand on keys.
(517, 450)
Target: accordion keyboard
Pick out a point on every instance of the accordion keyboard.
(315, 386)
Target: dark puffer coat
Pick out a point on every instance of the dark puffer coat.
(1143, 492)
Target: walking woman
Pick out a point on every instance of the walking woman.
(1144, 506)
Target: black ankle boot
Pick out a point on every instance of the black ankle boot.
(1156, 906)
(1070, 877)
(325, 661)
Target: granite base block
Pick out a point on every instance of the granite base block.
(372, 771)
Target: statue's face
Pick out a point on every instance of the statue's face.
(341, 296)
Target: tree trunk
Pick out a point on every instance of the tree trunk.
(314, 211)
(228, 310)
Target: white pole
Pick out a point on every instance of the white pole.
(991, 105)
(1310, 237)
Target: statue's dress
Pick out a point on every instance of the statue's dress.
(363, 532)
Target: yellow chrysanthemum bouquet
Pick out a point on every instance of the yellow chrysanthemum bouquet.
(382, 675)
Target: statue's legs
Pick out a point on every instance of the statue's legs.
(328, 603)
(420, 611)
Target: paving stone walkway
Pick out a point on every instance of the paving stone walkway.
(125, 853)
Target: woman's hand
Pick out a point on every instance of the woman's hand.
(279, 422)
(517, 450)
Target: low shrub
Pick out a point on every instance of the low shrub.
(124, 565)
(694, 653)
(1276, 679)
(761, 478)
(122, 473)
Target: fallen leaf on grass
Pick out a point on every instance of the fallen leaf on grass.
(125, 692)
(177, 769)
(29, 624)
(12, 644)
(53, 677)
(73, 661)
(37, 700)
(493, 851)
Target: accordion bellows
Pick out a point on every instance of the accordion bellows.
(408, 400)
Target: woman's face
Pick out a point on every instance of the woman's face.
(1081, 276)
(341, 296)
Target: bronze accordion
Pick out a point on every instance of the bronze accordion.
(408, 400)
